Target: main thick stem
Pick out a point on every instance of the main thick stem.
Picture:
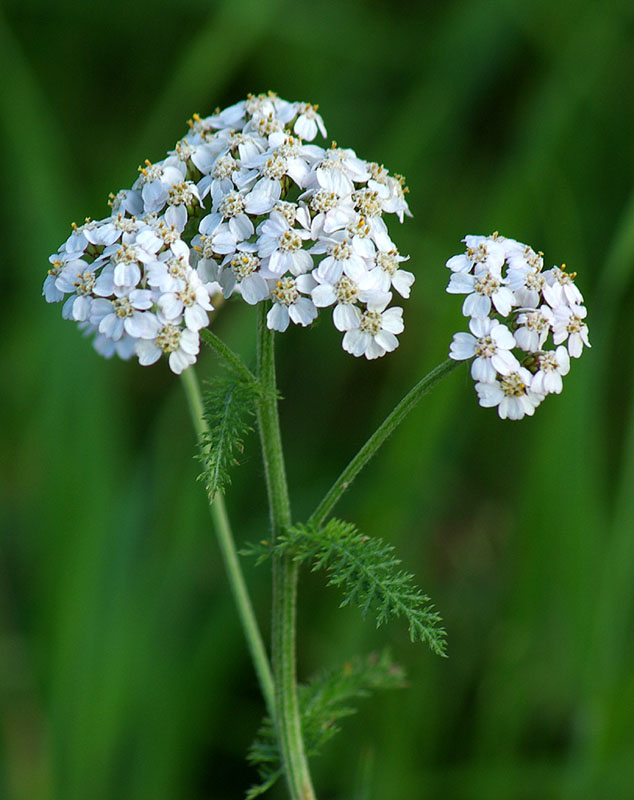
(226, 542)
(285, 573)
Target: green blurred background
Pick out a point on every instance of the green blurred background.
(123, 673)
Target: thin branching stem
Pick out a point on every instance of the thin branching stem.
(285, 575)
(380, 435)
(224, 351)
(226, 541)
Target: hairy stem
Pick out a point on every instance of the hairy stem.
(385, 429)
(232, 359)
(285, 575)
(222, 527)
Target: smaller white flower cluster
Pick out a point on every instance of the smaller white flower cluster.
(288, 222)
(516, 309)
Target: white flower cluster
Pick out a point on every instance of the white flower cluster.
(241, 206)
(515, 309)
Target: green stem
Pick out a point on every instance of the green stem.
(233, 359)
(222, 527)
(285, 576)
(379, 436)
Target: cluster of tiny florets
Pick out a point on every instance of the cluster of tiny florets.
(241, 206)
(525, 323)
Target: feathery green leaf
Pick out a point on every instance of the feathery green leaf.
(367, 571)
(323, 701)
(229, 404)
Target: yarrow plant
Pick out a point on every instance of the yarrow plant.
(246, 207)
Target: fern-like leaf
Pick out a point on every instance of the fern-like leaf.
(229, 405)
(369, 574)
(323, 701)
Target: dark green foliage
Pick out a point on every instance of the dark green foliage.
(323, 701)
(368, 573)
(229, 409)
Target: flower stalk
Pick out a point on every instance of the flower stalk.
(285, 575)
(226, 542)
(378, 438)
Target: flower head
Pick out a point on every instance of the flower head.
(246, 205)
(520, 317)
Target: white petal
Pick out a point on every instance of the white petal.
(393, 320)
(386, 340)
(346, 316)
(462, 346)
(355, 342)
(142, 325)
(147, 351)
(302, 312)
(196, 317)
(190, 342)
(324, 295)
(254, 289)
(277, 319)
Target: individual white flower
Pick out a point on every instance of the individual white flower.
(367, 202)
(190, 298)
(376, 332)
(167, 234)
(290, 212)
(527, 285)
(282, 246)
(269, 105)
(560, 289)
(387, 274)
(534, 325)
(79, 279)
(76, 244)
(211, 242)
(180, 344)
(126, 201)
(341, 258)
(219, 181)
(569, 325)
(288, 158)
(521, 257)
(232, 210)
(360, 232)
(244, 145)
(289, 304)
(344, 293)
(181, 199)
(393, 201)
(338, 171)
(482, 289)
(489, 344)
(127, 260)
(101, 233)
(511, 393)
(552, 365)
(128, 313)
(484, 253)
(309, 122)
(171, 269)
(155, 181)
(197, 152)
(50, 290)
(331, 212)
(241, 271)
